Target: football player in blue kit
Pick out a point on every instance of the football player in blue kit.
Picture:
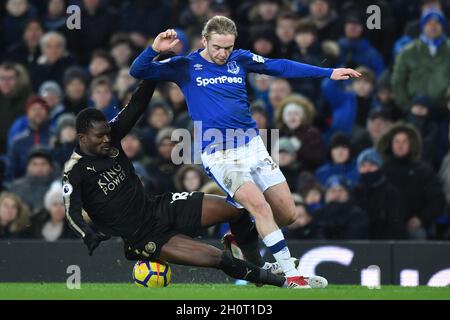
(213, 81)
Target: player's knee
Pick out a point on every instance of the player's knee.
(261, 210)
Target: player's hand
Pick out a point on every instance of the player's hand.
(344, 74)
(92, 239)
(165, 41)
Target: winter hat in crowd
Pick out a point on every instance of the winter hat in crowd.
(380, 113)
(421, 100)
(337, 180)
(370, 155)
(340, 140)
(433, 14)
(65, 120)
(51, 87)
(33, 100)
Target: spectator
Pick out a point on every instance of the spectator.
(158, 116)
(39, 176)
(265, 13)
(356, 50)
(27, 51)
(340, 218)
(341, 161)
(419, 116)
(162, 166)
(189, 178)
(53, 61)
(263, 41)
(279, 90)
(195, 15)
(416, 70)
(259, 114)
(294, 119)
(65, 139)
(381, 200)
(14, 216)
(14, 91)
(325, 19)
(55, 17)
(378, 123)
(303, 227)
(13, 22)
(311, 191)
(412, 28)
(286, 158)
(175, 97)
(51, 93)
(102, 64)
(384, 97)
(50, 224)
(285, 31)
(309, 50)
(122, 50)
(350, 106)
(37, 133)
(75, 90)
(133, 148)
(401, 148)
(99, 22)
(146, 18)
(123, 83)
(102, 97)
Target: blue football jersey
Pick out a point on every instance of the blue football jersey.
(216, 95)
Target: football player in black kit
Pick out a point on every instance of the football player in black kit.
(104, 197)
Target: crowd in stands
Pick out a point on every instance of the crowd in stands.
(365, 159)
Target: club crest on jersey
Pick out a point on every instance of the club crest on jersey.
(113, 152)
(233, 67)
(198, 67)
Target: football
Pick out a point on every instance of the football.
(152, 274)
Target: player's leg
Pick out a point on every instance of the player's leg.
(183, 250)
(280, 200)
(215, 210)
(251, 197)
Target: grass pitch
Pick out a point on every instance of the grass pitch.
(129, 291)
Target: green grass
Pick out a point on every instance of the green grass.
(129, 291)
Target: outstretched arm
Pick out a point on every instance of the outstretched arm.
(291, 69)
(130, 114)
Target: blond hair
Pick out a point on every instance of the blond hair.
(23, 214)
(219, 25)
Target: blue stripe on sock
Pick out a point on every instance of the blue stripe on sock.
(280, 245)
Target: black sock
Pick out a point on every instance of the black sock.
(244, 270)
(246, 235)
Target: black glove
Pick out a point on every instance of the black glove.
(92, 239)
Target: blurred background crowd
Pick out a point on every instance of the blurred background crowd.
(365, 158)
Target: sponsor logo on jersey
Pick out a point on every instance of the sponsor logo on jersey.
(198, 67)
(111, 179)
(233, 67)
(203, 82)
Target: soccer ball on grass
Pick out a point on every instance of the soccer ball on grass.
(152, 274)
